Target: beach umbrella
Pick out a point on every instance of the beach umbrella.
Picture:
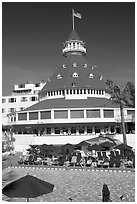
(108, 144)
(123, 147)
(27, 187)
(96, 148)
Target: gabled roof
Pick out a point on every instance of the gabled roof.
(62, 103)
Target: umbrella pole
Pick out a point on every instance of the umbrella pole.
(27, 199)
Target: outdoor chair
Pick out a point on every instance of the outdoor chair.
(117, 154)
(112, 154)
(100, 157)
(111, 162)
(117, 162)
(106, 164)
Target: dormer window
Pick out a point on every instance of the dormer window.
(74, 65)
(100, 78)
(75, 74)
(91, 76)
(85, 65)
(59, 76)
(64, 66)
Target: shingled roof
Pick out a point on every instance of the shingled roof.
(75, 103)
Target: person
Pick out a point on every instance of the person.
(105, 194)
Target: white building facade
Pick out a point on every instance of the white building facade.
(23, 96)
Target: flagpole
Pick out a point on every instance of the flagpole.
(73, 19)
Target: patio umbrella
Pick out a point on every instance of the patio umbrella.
(27, 187)
(123, 147)
(108, 144)
(96, 148)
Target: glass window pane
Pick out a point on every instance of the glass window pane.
(61, 114)
(108, 113)
(33, 116)
(77, 113)
(93, 113)
(45, 114)
(22, 116)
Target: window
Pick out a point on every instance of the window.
(99, 91)
(85, 65)
(77, 113)
(12, 110)
(33, 116)
(21, 86)
(57, 131)
(88, 91)
(59, 76)
(77, 91)
(74, 64)
(23, 99)
(22, 116)
(91, 76)
(84, 91)
(73, 84)
(12, 100)
(45, 114)
(91, 91)
(3, 110)
(22, 108)
(67, 92)
(80, 91)
(108, 113)
(60, 114)
(64, 66)
(3, 100)
(70, 91)
(37, 85)
(101, 78)
(48, 131)
(75, 74)
(33, 98)
(74, 91)
(93, 113)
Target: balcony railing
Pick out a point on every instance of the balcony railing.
(127, 118)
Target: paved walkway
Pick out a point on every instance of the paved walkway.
(79, 185)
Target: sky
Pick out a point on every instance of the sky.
(33, 34)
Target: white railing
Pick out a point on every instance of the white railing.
(127, 118)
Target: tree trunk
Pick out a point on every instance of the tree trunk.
(123, 124)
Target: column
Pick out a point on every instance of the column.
(52, 131)
(84, 113)
(93, 130)
(68, 114)
(77, 131)
(109, 129)
(52, 114)
(101, 113)
(69, 131)
(27, 116)
(85, 131)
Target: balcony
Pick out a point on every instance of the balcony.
(127, 118)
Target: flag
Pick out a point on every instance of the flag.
(78, 15)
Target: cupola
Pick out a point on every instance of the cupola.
(74, 46)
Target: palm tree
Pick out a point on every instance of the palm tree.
(121, 95)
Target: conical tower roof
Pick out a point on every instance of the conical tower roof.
(75, 72)
(73, 36)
